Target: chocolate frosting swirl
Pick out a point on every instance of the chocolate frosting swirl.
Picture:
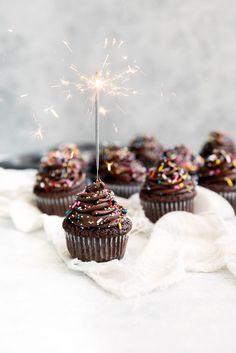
(56, 173)
(167, 179)
(184, 158)
(219, 168)
(96, 207)
(119, 165)
(217, 140)
(146, 149)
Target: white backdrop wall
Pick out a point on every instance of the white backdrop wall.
(185, 48)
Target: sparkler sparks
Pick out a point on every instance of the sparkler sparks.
(108, 82)
(103, 111)
(105, 82)
(67, 45)
(52, 110)
(38, 134)
(115, 127)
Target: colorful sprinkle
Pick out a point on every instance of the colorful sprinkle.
(68, 212)
(229, 182)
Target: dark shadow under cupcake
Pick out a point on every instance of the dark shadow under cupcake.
(167, 188)
(96, 226)
(57, 183)
(219, 174)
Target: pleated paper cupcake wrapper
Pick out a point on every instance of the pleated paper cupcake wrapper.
(230, 197)
(155, 210)
(99, 249)
(124, 190)
(56, 206)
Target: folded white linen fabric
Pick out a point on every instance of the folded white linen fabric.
(25, 214)
(13, 184)
(160, 254)
(157, 256)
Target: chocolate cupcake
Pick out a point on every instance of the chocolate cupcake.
(217, 140)
(121, 171)
(167, 188)
(96, 226)
(72, 151)
(219, 175)
(146, 149)
(57, 183)
(184, 158)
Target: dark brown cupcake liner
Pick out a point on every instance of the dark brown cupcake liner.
(99, 249)
(57, 205)
(124, 190)
(230, 196)
(155, 210)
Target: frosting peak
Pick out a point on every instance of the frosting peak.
(96, 207)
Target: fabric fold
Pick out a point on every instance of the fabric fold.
(158, 255)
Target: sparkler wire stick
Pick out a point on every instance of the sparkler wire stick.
(96, 110)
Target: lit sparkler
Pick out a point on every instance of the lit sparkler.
(105, 82)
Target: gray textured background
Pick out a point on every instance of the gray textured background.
(186, 49)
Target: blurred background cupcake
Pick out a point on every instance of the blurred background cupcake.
(146, 149)
(219, 174)
(96, 226)
(72, 151)
(57, 182)
(217, 140)
(185, 158)
(121, 171)
(167, 188)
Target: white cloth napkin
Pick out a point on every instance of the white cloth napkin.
(157, 255)
(13, 184)
(160, 255)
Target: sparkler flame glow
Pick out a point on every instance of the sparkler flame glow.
(109, 165)
(104, 81)
(108, 82)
